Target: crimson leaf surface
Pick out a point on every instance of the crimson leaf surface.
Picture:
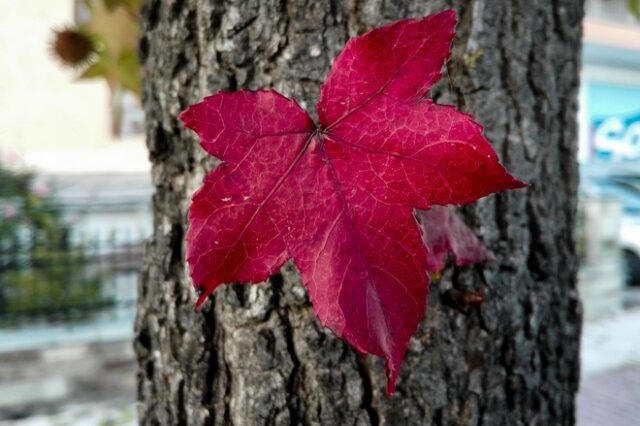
(340, 197)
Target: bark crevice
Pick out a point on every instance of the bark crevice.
(367, 391)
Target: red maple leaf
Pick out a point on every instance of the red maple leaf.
(443, 232)
(339, 197)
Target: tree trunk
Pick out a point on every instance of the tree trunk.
(255, 354)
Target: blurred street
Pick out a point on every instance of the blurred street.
(103, 414)
(610, 386)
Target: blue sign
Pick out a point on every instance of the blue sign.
(614, 120)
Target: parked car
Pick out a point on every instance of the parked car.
(625, 186)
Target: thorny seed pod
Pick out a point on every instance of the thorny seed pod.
(72, 47)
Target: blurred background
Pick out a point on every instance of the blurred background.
(75, 195)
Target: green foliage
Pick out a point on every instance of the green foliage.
(51, 293)
(634, 7)
(41, 272)
(113, 32)
(24, 209)
(132, 5)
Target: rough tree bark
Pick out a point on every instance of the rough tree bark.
(255, 354)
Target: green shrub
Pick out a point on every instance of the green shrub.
(42, 274)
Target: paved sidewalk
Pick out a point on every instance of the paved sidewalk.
(610, 386)
(610, 399)
(101, 414)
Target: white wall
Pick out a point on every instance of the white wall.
(47, 119)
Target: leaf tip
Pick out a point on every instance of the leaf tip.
(392, 377)
(449, 14)
(203, 295)
(450, 19)
(186, 116)
(518, 184)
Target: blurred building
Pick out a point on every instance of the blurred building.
(50, 121)
(610, 87)
(63, 130)
(609, 153)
